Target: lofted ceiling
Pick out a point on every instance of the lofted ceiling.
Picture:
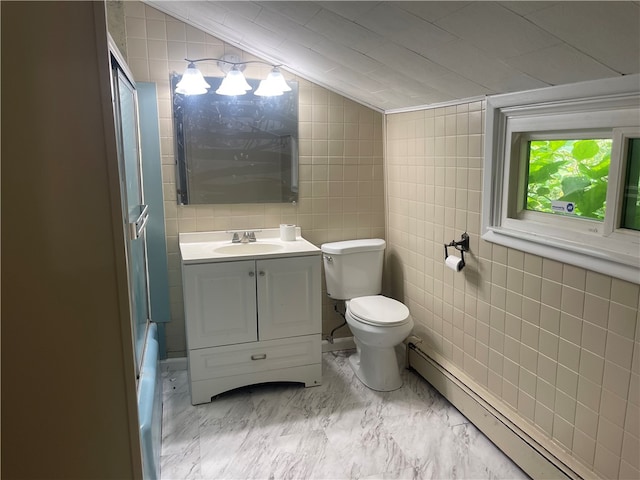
(397, 55)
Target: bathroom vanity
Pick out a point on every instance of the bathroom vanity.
(253, 311)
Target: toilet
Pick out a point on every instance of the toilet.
(353, 271)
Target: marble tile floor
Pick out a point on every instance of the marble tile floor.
(338, 430)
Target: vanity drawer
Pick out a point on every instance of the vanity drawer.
(228, 360)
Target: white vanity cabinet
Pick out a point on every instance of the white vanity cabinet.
(289, 297)
(252, 321)
(220, 304)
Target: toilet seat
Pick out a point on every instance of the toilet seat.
(378, 310)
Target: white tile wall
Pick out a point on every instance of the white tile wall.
(556, 343)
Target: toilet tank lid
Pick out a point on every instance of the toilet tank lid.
(353, 246)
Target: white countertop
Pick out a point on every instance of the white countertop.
(201, 247)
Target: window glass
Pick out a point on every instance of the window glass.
(631, 199)
(568, 176)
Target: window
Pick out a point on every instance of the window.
(562, 171)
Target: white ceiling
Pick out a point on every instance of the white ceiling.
(393, 54)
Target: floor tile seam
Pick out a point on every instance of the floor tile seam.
(229, 427)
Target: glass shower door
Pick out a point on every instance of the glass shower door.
(133, 204)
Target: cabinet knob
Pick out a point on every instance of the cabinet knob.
(262, 274)
(251, 274)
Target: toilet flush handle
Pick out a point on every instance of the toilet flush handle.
(328, 258)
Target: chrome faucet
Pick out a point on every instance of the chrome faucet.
(247, 236)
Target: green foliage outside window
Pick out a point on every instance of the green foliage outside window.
(569, 171)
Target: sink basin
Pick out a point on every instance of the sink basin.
(247, 248)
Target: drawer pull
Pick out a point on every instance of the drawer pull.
(261, 356)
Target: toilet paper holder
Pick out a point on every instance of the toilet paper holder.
(461, 245)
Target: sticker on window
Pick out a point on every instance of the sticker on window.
(562, 207)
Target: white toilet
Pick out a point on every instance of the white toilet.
(353, 271)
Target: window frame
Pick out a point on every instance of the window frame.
(621, 140)
(600, 109)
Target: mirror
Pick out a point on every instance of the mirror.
(241, 149)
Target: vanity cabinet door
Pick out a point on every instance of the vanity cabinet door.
(289, 297)
(220, 303)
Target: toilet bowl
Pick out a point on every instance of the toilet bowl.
(353, 273)
(378, 325)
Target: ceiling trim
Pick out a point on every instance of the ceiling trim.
(448, 103)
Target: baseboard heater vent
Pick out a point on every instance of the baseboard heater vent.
(530, 455)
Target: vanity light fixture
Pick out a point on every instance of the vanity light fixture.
(273, 85)
(234, 83)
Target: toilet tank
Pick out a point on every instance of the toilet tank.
(353, 268)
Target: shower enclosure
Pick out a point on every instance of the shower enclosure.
(136, 217)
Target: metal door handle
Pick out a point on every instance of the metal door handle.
(136, 227)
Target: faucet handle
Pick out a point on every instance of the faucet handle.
(252, 236)
(236, 238)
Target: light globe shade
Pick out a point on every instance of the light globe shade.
(277, 80)
(267, 90)
(192, 82)
(274, 85)
(233, 84)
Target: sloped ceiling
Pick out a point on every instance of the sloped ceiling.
(395, 55)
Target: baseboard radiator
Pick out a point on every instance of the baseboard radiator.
(530, 454)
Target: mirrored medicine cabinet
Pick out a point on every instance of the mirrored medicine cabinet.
(241, 149)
